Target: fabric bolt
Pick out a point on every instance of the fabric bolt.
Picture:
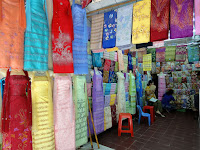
(114, 114)
(79, 44)
(107, 65)
(152, 51)
(13, 25)
(160, 54)
(89, 76)
(139, 89)
(170, 53)
(127, 103)
(124, 25)
(98, 50)
(121, 97)
(85, 3)
(42, 109)
(193, 53)
(112, 66)
(98, 102)
(109, 29)
(16, 121)
(113, 87)
(107, 101)
(97, 31)
(126, 86)
(105, 76)
(107, 118)
(64, 113)
(181, 18)
(62, 37)
(161, 86)
(197, 16)
(36, 36)
(107, 88)
(159, 19)
(106, 55)
(130, 64)
(112, 56)
(81, 108)
(96, 60)
(116, 57)
(112, 99)
(181, 53)
(112, 77)
(153, 69)
(147, 65)
(132, 93)
(141, 22)
(120, 61)
(89, 89)
(116, 66)
(140, 53)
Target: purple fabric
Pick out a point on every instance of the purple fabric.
(98, 103)
(181, 18)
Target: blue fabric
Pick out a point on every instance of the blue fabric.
(112, 77)
(79, 45)
(130, 64)
(36, 36)
(96, 60)
(109, 30)
(139, 89)
(166, 99)
(193, 53)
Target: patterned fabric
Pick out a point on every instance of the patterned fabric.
(36, 36)
(105, 76)
(96, 60)
(13, 25)
(147, 62)
(64, 113)
(107, 101)
(152, 51)
(161, 86)
(112, 99)
(197, 16)
(107, 65)
(120, 60)
(180, 53)
(1, 106)
(130, 64)
(89, 62)
(116, 66)
(97, 31)
(107, 118)
(88, 48)
(112, 77)
(112, 49)
(112, 56)
(109, 29)
(124, 24)
(139, 89)
(159, 20)
(181, 18)
(170, 53)
(193, 53)
(79, 44)
(112, 66)
(160, 54)
(141, 52)
(107, 88)
(141, 22)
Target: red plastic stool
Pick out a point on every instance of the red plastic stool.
(130, 124)
(152, 112)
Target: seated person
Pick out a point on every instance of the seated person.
(168, 101)
(150, 94)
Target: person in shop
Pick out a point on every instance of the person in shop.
(168, 101)
(151, 98)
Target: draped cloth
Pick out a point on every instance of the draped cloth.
(107, 118)
(197, 16)
(97, 31)
(132, 93)
(139, 88)
(161, 86)
(181, 18)
(98, 102)
(120, 61)
(13, 25)
(16, 122)
(109, 29)
(96, 60)
(181, 53)
(193, 53)
(170, 53)
(159, 19)
(79, 44)
(62, 37)
(64, 113)
(85, 3)
(141, 52)
(147, 60)
(160, 54)
(152, 51)
(81, 108)
(42, 108)
(141, 22)
(124, 24)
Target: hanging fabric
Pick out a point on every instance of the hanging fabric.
(193, 52)
(139, 89)
(107, 118)
(109, 29)
(124, 25)
(132, 93)
(170, 52)
(161, 86)
(97, 31)
(98, 102)
(181, 53)
(107, 101)
(17, 121)
(81, 108)
(141, 52)
(13, 25)
(197, 16)
(64, 113)
(141, 22)
(36, 36)
(112, 99)
(85, 3)
(42, 108)
(152, 51)
(96, 60)
(147, 61)
(160, 54)
(120, 61)
(159, 19)
(112, 77)
(181, 18)
(130, 64)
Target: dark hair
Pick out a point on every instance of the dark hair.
(170, 92)
(150, 82)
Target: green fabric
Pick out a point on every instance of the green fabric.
(81, 108)
(116, 66)
(104, 88)
(132, 93)
(170, 52)
(153, 52)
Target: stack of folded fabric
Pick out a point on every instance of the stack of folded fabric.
(108, 88)
(113, 87)
(106, 55)
(112, 99)
(107, 101)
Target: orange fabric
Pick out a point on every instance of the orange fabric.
(12, 27)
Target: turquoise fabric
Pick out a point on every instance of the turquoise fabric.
(36, 36)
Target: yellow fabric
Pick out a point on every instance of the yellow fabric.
(141, 22)
(152, 95)
(147, 62)
(112, 99)
(112, 49)
(42, 113)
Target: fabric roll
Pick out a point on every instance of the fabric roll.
(127, 103)
(159, 19)
(130, 64)
(141, 52)
(181, 18)
(152, 51)
(116, 66)
(197, 16)
(107, 101)
(161, 86)
(124, 24)
(160, 54)
(132, 93)
(107, 118)
(170, 53)
(193, 53)
(120, 61)
(141, 27)
(97, 31)
(109, 29)
(181, 53)
(113, 87)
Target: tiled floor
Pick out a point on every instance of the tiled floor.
(178, 131)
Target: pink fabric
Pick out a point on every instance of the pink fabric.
(197, 16)
(98, 50)
(161, 86)
(89, 89)
(64, 113)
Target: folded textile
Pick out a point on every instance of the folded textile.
(181, 53)
(112, 99)
(107, 101)
(160, 54)
(170, 52)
